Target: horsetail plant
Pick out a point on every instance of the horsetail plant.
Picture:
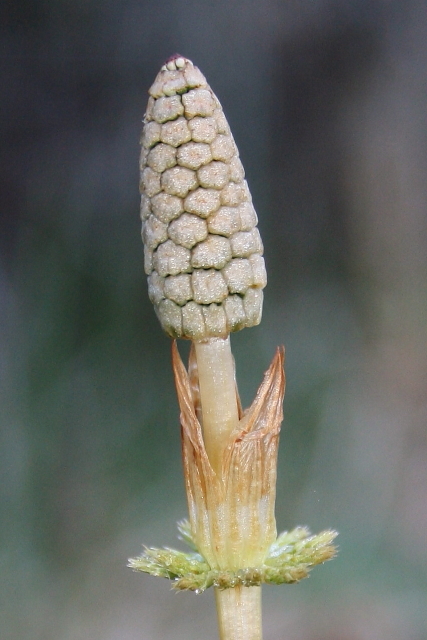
(203, 259)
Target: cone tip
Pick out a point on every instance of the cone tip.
(175, 62)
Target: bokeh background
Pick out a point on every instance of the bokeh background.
(327, 100)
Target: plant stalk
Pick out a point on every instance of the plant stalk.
(238, 608)
(217, 395)
(239, 613)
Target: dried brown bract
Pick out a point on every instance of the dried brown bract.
(232, 513)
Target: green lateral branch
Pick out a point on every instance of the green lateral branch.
(289, 560)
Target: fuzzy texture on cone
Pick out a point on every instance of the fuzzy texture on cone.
(232, 514)
(203, 252)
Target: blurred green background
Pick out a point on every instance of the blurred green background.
(327, 101)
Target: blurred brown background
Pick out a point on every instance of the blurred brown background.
(327, 101)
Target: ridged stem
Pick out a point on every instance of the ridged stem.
(217, 395)
(239, 613)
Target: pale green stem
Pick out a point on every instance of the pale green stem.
(217, 395)
(239, 613)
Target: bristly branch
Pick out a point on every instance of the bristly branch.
(290, 559)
